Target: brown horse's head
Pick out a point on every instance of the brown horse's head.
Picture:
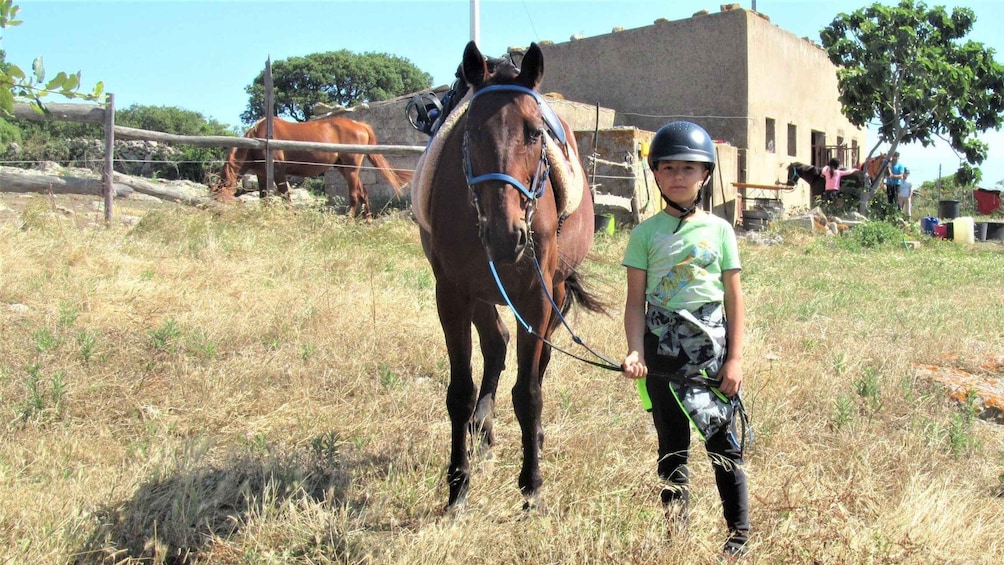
(873, 167)
(226, 187)
(504, 151)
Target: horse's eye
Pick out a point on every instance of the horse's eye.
(533, 135)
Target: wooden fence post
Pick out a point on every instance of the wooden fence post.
(109, 157)
(269, 111)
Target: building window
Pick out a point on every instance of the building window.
(792, 139)
(769, 126)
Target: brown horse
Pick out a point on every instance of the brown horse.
(307, 163)
(875, 166)
(491, 240)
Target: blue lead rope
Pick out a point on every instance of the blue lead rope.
(606, 364)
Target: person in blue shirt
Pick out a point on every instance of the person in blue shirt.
(893, 178)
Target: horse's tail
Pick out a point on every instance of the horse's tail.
(577, 293)
(397, 178)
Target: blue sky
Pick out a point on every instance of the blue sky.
(201, 54)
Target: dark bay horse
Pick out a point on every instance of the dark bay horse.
(491, 238)
(307, 163)
(851, 184)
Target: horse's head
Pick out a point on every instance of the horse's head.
(793, 174)
(504, 149)
(873, 167)
(224, 185)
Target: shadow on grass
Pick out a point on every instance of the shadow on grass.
(175, 517)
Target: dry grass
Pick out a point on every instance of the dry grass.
(268, 386)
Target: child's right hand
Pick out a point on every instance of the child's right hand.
(634, 366)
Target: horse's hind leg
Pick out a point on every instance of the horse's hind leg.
(349, 165)
(494, 339)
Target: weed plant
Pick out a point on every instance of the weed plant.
(268, 386)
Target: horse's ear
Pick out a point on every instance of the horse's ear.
(474, 67)
(531, 70)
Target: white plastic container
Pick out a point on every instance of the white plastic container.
(963, 230)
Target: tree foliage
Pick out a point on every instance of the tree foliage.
(334, 77)
(910, 69)
(170, 119)
(16, 85)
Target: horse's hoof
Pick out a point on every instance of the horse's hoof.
(534, 504)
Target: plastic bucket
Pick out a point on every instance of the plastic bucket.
(948, 209)
(981, 231)
(995, 231)
(927, 224)
(940, 231)
(964, 230)
(604, 223)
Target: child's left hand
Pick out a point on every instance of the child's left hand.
(732, 378)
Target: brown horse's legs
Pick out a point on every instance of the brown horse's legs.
(262, 186)
(455, 314)
(349, 165)
(494, 338)
(528, 402)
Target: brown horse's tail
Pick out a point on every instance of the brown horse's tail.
(398, 178)
(578, 294)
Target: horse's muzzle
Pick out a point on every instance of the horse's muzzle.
(505, 245)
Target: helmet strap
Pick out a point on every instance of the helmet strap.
(684, 211)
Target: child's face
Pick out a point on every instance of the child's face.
(680, 181)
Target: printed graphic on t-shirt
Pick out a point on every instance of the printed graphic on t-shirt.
(677, 279)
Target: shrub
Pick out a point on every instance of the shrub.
(872, 235)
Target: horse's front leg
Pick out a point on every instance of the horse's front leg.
(494, 338)
(455, 314)
(528, 400)
(281, 182)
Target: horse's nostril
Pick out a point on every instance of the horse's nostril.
(521, 239)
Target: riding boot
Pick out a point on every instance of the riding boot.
(675, 499)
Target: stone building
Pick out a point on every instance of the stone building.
(768, 96)
(762, 89)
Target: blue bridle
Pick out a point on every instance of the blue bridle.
(536, 188)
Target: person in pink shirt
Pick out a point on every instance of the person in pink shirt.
(833, 173)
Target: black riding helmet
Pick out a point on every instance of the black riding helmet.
(682, 141)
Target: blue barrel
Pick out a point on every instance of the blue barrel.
(927, 224)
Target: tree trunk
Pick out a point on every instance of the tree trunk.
(124, 186)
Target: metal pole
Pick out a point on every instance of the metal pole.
(475, 21)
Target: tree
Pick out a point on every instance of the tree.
(908, 68)
(16, 85)
(335, 77)
(170, 119)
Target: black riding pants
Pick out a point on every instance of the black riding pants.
(673, 430)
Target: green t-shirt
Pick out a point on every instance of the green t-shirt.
(684, 269)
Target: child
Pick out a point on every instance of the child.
(682, 286)
(905, 195)
(833, 173)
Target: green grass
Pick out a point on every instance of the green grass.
(268, 386)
